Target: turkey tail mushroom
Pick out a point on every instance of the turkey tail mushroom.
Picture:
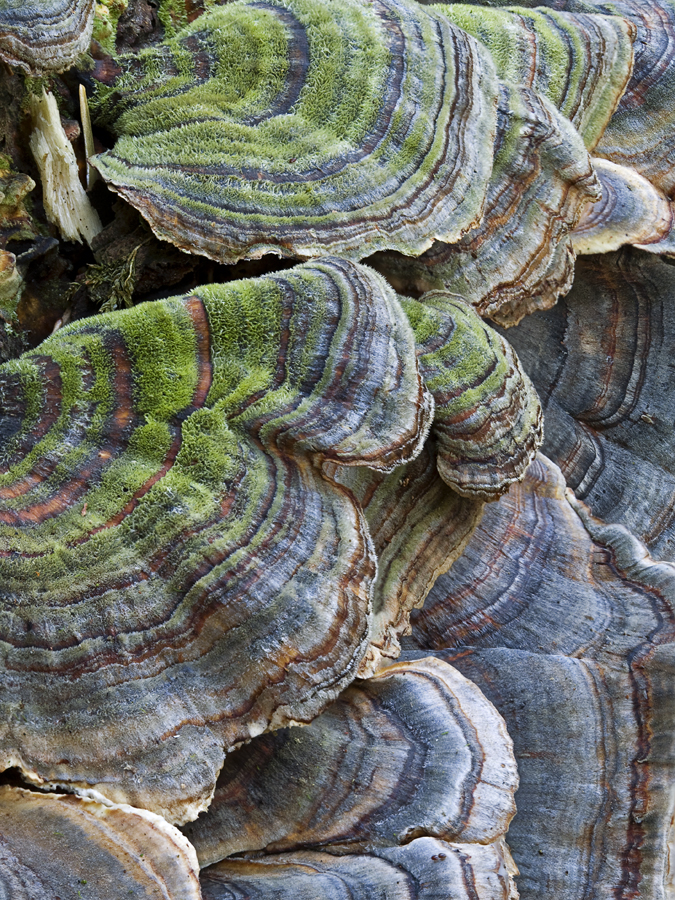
(487, 418)
(602, 364)
(640, 133)
(414, 751)
(580, 62)
(519, 257)
(569, 627)
(419, 527)
(424, 869)
(177, 573)
(45, 36)
(595, 795)
(532, 578)
(303, 128)
(631, 211)
(487, 428)
(52, 845)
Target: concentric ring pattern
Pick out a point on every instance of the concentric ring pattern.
(177, 574)
(303, 128)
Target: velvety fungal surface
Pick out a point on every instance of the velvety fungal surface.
(580, 62)
(640, 133)
(519, 257)
(569, 627)
(177, 572)
(602, 362)
(419, 527)
(488, 419)
(631, 211)
(304, 127)
(424, 869)
(43, 36)
(414, 750)
(58, 847)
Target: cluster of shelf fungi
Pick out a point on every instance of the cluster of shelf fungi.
(348, 570)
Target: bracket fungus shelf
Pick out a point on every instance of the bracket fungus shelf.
(602, 363)
(568, 626)
(157, 462)
(303, 128)
(415, 750)
(292, 605)
(44, 36)
(424, 869)
(54, 845)
(519, 257)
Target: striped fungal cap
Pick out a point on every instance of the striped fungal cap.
(41, 36)
(580, 62)
(419, 527)
(52, 845)
(304, 127)
(177, 574)
(488, 419)
(519, 257)
(424, 869)
(568, 626)
(415, 750)
(640, 133)
(632, 211)
(602, 362)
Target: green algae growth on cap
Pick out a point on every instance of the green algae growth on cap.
(301, 128)
(178, 573)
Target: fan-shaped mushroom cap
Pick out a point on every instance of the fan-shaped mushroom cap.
(302, 128)
(640, 133)
(177, 574)
(531, 578)
(595, 795)
(580, 62)
(519, 257)
(602, 362)
(632, 211)
(58, 847)
(488, 418)
(45, 35)
(414, 750)
(419, 527)
(593, 734)
(425, 869)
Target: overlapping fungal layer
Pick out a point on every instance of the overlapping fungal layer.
(640, 133)
(487, 428)
(58, 846)
(42, 36)
(304, 127)
(602, 363)
(519, 257)
(424, 869)
(631, 211)
(419, 527)
(569, 627)
(415, 750)
(580, 62)
(177, 573)
(488, 419)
